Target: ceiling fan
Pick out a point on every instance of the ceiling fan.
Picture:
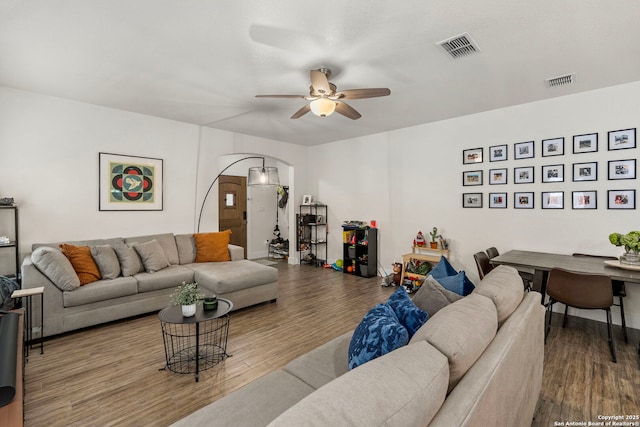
(325, 99)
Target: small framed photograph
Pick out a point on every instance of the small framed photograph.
(587, 143)
(523, 150)
(553, 147)
(584, 199)
(585, 171)
(553, 173)
(497, 176)
(622, 169)
(622, 139)
(471, 178)
(498, 153)
(307, 199)
(621, 199)
(553, 200)
(523, 200)
(523, 175)
(473, 155)
(498, 200)
(472, 200)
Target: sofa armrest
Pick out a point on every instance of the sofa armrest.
(52, 297)
(236, 252)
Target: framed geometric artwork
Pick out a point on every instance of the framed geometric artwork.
(585, 171)
(497, 176)
(622, 169)
(523, 150)
(523, 200)
(472, 200)
(621, 199)
(584, 199)
(472, 178)
(553, 173)
(498, 200)
(523, 175)
(553, 147)
(587, 143)
(553, 200)
(129, 183)
(498, 153)
(473, 155)
(622, 139)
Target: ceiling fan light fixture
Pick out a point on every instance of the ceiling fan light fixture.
(322, 107)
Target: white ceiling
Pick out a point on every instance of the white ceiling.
(202, 61)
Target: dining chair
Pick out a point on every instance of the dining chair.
(483, 264)
(619, 291)
(492, 252)
(580, 290)
(527, 277)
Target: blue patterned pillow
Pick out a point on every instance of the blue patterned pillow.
(443, 270)
(409, 315)
(378, 333)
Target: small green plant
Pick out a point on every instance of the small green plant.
(187, 294)
(434, 234)
(630, 241)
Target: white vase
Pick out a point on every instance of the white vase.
(188, 310)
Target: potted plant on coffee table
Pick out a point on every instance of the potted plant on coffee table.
(187, 295)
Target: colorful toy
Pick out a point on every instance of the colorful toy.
(419, 241)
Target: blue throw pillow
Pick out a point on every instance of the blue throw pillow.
(455, 284)
(443, 269)
(409, 315)
(378, 333)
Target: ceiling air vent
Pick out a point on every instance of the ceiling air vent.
(459, 46)
(567, 79)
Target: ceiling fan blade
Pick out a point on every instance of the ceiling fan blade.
(281, 96)
(301, 112)
(347, 110)
(319, 82)
(363, 93)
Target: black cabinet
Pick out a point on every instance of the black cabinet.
(360, 251)
(12, 235)
(312, 234)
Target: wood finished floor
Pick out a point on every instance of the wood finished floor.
(109, 375)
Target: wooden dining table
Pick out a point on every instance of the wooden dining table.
(543, 262)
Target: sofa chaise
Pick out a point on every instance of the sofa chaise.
(130, 292)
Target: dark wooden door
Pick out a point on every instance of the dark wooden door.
(232, 208)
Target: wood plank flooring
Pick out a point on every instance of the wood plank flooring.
(110, 375)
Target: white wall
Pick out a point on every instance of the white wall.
(411, 179)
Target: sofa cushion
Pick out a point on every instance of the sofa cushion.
(82, 262)
(186, 248)
(166, 240)
(505, 288)
(461, 331)
(323, 364)
(444, 269)
(231, 276)
(100, 291)
(409, 315)
(431, 296)
(404, 388)
(212, 247)
(152, 255)
(107, 261)
(379, 333)
(168, 277)
(129, 260)
(455, 283)
(57, 267)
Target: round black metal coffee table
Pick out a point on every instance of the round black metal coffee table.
(196, 343)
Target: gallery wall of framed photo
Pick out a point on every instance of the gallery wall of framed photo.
(584, 171)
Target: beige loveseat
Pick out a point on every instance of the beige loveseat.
(242, 281)
(475, 362)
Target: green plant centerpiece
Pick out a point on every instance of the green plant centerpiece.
(631, 244)
(187, 295)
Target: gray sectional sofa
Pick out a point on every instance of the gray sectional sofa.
(67, 308)
(475, 362)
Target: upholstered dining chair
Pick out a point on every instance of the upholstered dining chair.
(483, 264)
(619, 291)
(492, 252)
(580, 290)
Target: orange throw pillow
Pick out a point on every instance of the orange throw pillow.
(82, 262)
(212, 247)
